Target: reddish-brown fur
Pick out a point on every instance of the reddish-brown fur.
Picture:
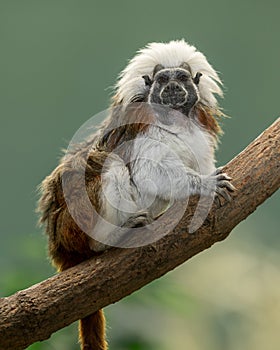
(92, 332)
(206, 118)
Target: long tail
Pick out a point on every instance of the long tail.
(92, 332)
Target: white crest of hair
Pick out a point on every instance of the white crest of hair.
(170, 55)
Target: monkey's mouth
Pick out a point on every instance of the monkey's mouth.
(174, 101)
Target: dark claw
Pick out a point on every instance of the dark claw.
(223, 176)
(219, 170)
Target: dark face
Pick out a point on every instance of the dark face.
(173, 87)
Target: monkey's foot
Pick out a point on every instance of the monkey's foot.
(139, 220)
(223, 186)
(117, 237)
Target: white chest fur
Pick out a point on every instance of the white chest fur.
(167, 161)
(166, 164)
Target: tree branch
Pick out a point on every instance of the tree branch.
(35, 313)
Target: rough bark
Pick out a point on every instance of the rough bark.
(35, 313)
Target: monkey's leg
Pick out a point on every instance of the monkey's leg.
(119, 209)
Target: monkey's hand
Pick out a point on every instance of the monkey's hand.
(219, 184)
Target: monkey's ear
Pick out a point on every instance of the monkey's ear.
(196, 79)
(185, 66)
(147, 79)
(157, 68)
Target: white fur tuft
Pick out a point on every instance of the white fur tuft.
(171, 54)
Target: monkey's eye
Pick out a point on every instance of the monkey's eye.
(163, 79)
(183, 77)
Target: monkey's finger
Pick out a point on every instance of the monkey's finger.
(219, 170)
(226, 184)
(217, 200)
(223, 193)
(223, 176)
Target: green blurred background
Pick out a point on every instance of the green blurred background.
(58, 61)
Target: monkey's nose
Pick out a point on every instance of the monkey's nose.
(173, 94)
(173, 87)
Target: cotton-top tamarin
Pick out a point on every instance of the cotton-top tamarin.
(155, 147)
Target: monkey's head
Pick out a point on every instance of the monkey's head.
(174, 74)
(173, 87)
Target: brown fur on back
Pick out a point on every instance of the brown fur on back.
(68, 244)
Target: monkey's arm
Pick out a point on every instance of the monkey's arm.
(159, 171)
